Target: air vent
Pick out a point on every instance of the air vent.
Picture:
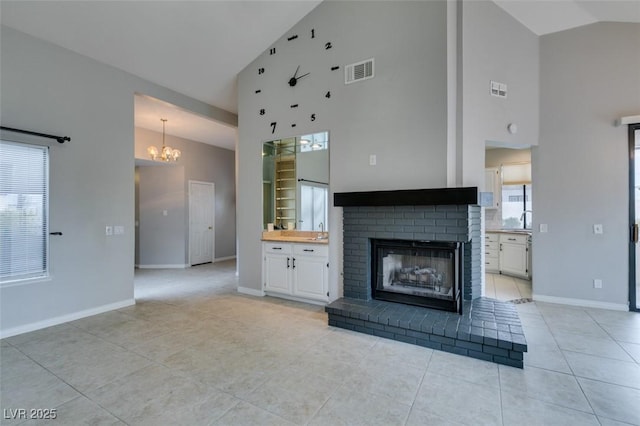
(359, 71)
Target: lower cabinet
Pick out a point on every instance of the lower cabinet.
(491, 253)
(298, 270)
(514, 255)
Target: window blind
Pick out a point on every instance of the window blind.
(516, 174)
(24, 204)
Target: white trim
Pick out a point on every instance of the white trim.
(168, 266)
(297, 299)
(222, 259)
(631, 119)
(251, 291)
(65, 318)
(581, 302)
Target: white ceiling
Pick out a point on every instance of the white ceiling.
(546, 16)
(197, 48)
(182, 123)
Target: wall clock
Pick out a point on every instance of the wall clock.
(293, 76)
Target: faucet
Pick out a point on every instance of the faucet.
(321, 226)
(524, 213)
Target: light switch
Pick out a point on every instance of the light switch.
(597, 228)
(108, 230)
(544, 227)
(373, 160)
(165, 213)
(118, 230)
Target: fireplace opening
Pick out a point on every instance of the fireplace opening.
(422, 273)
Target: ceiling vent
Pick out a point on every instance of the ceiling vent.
(359, 71)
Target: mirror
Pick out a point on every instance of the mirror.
(295, 182)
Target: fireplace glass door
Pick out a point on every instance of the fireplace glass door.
(417, 273)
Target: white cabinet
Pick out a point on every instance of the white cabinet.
(514, 255)
(310, 276)
(492, 184)
(277, 267)
(491, 253)
(296, 270)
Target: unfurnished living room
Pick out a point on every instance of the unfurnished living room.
(320, 212)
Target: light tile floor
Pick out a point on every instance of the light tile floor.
(193, 351)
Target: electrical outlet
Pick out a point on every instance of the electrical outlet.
(118, 230)
(597, 228)
(108, 230)
(597, 283)
(373, 160)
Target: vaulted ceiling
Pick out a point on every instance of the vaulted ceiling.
(197, 48)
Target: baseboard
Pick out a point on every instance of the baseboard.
(167, 266)
(581, 302)
(222, 259)
(65, 318)
(251, 291)
(297, 299)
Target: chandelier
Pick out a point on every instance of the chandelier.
(167, 153)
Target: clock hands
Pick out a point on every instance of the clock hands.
(294, 80)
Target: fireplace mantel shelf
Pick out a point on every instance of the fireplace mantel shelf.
(408, 197)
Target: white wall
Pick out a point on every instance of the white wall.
(496, 47)
(49, 89)
(164, 239)
(589, 77)
(400, 115)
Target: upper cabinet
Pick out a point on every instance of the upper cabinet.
(492, 185)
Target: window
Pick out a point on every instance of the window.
(313, 207)
(516, 200)
(516, 196)
(24, 205)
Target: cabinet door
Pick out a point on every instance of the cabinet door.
(513, 259)
(492, 184)
(310, 277)
(278, 273)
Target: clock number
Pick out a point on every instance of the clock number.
(273, 127)
(313, 33)
(262, 111)
(328, 45)
(272, 51)
(328, 95)
(260, 71)
(313, 117)
(293, 37)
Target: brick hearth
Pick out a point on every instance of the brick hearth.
(487, 329)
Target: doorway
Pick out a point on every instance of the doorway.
(201, 222)
(634, 216)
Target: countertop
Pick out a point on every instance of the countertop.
(307, 237)
(509, 231)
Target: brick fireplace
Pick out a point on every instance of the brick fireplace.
(480, 327)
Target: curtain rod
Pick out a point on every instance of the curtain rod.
(60, 139)
(312, 181)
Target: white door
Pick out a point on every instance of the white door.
(201, 226)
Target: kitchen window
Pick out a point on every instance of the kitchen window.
(24, 206)
(517, 201)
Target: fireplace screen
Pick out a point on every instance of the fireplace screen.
(417, 272)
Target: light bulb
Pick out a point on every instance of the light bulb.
(153, 152)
